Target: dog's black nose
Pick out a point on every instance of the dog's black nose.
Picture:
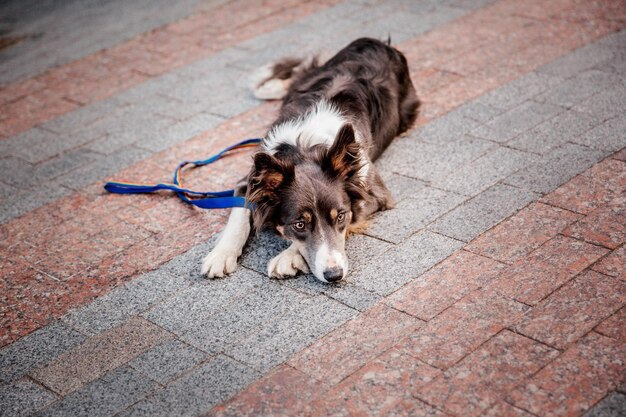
(333, 274)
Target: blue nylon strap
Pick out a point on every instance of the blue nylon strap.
(201, 199)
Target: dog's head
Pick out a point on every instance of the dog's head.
(307, 196)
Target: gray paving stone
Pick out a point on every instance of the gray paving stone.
(107, 396)
(233, 107)
(187, 265)
(198, 391)
(556, 167)
(412, 214)
(616, 65)
(16, 171)
(578, 88)
(578, 61)
(605, 104)
(124, 302)
(610, 135)
(168, 361)
(345, 292)
(163, 104)
(483, 212)
(613, 405)
(86, 116)
(360, 249)
(36, 144)
(451, 126)
(110, 143)
(353, 296)
(38, 348)
(430, 162)
(262, 247)
(477, 111)
(388, 272)
(6, 191)
(515, 93)
(247, 315)
(402, 187)
(179, 132)
(295, 330)
(60, 165)
(469, 4)
(553, 132)
(103, 167)
(515, 121)
(473, 177)
(22, 398)
(614, 40)
(202, 301)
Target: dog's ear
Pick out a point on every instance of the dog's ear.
(268, 173)
(264, 182)
(343, 159)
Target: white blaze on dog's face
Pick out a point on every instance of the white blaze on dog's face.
(316, 223)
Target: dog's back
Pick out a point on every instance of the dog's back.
(368, 82)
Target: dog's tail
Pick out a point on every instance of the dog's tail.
(272, 81)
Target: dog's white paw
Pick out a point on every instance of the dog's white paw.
(219, 262)
(287, 264)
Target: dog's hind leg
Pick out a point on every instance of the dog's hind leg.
(222, 260)
(272, 81)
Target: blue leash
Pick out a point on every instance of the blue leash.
(202, 199)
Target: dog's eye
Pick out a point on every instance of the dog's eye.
(298, 226)
(341, 217)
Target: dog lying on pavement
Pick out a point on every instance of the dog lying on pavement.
(313, 179)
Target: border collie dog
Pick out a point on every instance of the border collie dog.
(313, 179)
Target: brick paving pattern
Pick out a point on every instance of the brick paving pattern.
(496, 287)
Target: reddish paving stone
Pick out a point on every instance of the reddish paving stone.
(614, 326)
(621, 155)
(381, 388)
(503, 409)
(459, 330)
(355, 343)
(576, 380)
(429, 80)
(605, 226)
(445, 284)
(487, 374)
(522, 233)
(284, 392)
(532, 278)
(593, 189)
(573, 310)
(614, 264)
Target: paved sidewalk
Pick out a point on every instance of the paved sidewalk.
(496, 287)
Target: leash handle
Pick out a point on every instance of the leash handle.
(201, 199)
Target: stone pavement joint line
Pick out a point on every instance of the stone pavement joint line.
(497, 287)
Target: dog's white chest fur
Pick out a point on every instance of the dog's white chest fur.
(318, 126)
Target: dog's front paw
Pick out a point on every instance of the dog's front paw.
(219, 262)
(287, 264)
